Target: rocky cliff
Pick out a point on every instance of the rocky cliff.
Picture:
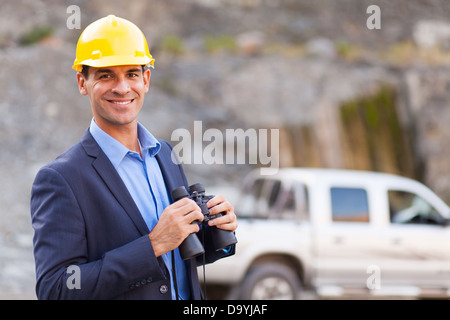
(341, 95)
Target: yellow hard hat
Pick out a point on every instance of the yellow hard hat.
(112, 41)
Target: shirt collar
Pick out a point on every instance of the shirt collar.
(116, 151)
(148, 141)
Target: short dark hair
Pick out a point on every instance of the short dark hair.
(85, 70)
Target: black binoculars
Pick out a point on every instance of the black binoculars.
(191, 246)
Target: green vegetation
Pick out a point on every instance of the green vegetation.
(348, 51)
(373, 136)
(219, 43)
(36, 35)
(172, 44)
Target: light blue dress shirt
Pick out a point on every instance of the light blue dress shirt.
(144, 181)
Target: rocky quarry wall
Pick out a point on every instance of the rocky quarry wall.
(341, 96)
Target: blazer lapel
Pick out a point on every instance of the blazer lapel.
(111, 178)
(174, 177)
(172, 173)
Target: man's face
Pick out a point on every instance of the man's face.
(116, 94)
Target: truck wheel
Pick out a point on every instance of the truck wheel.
(270, 281)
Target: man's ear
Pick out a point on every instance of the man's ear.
(147, 74)
(81, 83)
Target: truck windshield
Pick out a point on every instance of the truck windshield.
(273, 199)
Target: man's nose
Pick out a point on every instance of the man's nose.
(121, 86)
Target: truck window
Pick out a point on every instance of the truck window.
(288, 201)
(273, 199)
(260, 198)
(251, 200)
(274, 192)
(302, 200)
(349, 205)
(409, 208)
(282, 200)
(288, 206)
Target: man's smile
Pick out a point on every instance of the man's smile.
(120, 102)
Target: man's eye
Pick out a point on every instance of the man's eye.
(133, 75)
(105, 76)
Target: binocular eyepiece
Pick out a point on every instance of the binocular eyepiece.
(191, 246)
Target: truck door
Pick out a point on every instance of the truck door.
(346, 244)
(277, 229)
(421, 239)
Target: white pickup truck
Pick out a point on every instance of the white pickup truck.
(336, 233)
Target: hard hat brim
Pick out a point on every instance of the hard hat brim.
(113, 61)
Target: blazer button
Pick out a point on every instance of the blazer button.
(163, 289)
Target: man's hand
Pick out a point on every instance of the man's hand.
(228, 221)
(174, 225)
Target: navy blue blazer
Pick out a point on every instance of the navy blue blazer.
(84, 216)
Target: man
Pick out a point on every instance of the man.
(104, 224)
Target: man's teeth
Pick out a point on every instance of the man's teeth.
(122, 102)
